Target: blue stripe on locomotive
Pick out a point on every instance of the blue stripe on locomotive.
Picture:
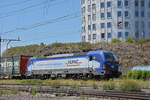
(99, 53)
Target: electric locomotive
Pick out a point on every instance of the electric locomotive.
(93, 64)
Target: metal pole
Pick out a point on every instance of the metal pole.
(7, 44)
(0, 54)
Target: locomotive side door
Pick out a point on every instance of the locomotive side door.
(90, 62)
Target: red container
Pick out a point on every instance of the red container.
(23, 64)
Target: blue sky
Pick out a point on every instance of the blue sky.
(18, 14)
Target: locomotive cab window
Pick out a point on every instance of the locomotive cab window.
(97, 58)
(110, 57)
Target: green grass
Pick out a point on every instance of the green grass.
(109, 86)
(11, 91)
(34, 91)
(114, 84)
(130, 85)
(32, 81)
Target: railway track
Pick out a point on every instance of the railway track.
(92, 93)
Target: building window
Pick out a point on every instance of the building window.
(126, 14)
(89, 37)
(94, 36)
(89, 27)
(136, 25)
(83, 10)
(102, 5)
(109, 4)
(89, 8)
(142, 14)
(149, 24)
(94, 27)
(143, 25)
(126, 3)
(119, 24)
(82, 1)
(103, 35)
(137, 35)
(119, 34)
(119, 14)
(102, 15)
(94, 7)
(136, 13)
(83, 20)
(119, 3)
(109, 35)
(136, 3)
(142, 3)
(126, 34)
(83, 38)
(109, 15)
(83, 29)
(89, 1)
(126, 24)
(102, 25)
(94, 17)
(109, 24)
(89, 17)
(149, 14)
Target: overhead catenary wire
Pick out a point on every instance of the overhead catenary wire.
(15, 12)
(44, 38)
(14, 4)
(61, 18)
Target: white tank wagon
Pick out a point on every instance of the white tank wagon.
(92, 64)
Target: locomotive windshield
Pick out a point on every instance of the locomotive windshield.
(97, 58)
(109, 57)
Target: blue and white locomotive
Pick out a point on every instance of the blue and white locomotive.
(94, 64)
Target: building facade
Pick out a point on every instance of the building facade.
(104, 20)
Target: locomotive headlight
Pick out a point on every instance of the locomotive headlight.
(112, 66)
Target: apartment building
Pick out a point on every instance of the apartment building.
(104, 20)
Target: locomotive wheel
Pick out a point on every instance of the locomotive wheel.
(90, 76)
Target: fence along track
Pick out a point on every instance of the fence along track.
(93, 93)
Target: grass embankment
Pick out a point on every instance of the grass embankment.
(115, 84)
(132, 81)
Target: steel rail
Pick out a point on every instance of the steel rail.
(93, 93)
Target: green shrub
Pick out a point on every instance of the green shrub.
(34, 91)
(143, 40)
(139, 74)
(60, 95)
(109, 86)
(131, 40)
(130, 86)
(115, 41)
(123, 76)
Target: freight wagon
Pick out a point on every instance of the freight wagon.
(14, 66)
(94, 64)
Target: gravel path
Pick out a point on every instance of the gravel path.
(27, 96)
